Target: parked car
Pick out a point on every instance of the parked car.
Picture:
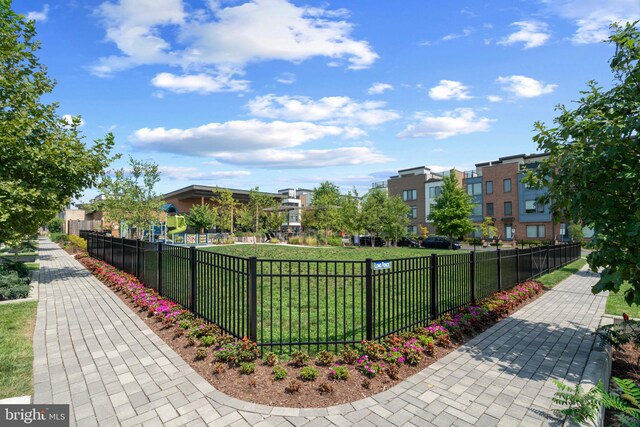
(438, 242)
(366, 241)
(408, 242)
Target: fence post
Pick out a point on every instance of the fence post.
(499, 258)
(531, 262)
(111, 250)
(159, 282)
(434, 286)
(517, 265)
(253, 299)
(138, 258)
(548, 259)
(193, 268)
(472, 275)
(369, 298)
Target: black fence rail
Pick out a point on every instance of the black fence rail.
(287, 304)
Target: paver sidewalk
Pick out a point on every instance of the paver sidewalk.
(93, 352)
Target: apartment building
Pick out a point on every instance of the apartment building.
(497, 191)
(295, 200)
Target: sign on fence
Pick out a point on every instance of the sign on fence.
(381, 265)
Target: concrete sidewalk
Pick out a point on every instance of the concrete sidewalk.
(93, 352)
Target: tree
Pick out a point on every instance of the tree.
(593, 170)
(226, 208)
(373, 215)
(488, 228)
(258, 202)
(424, 231)
(450, 214)
(576, 232)
(202, 217)
(349, 213)
(396, 218)
(45, 162)
(326, 202)
(130, 197)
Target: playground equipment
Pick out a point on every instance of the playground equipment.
(177, 222)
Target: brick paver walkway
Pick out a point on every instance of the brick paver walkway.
(93, 352)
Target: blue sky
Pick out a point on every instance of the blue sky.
(278, 94)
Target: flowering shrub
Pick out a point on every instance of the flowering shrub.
(368, 367)
(374, 351)
(237, 352)
(412, 351)
(395, 355)
(339, 373)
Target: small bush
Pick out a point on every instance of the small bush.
(326, 388)
(18, 267)
(202, 352)
(247, 368)
(366, 384)
(295, 240)
(311, 241)
(334, 241)
(349, 355)
(325, 358)
(392, 371)
(59, 238)
(274, 240)
(374, 350)
(339, 373)
(293, 386)
(308, 373)
(13, 286)
(279, 373)
(78, 242)
(218, 368)
(207, 341)
(300, 358)
(270, 358)
(55, 225)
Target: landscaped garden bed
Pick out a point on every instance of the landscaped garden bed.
(299, 379)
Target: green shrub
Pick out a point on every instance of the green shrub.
(295, 240)
(349, 355)
(59, 238)
(55, 225)
(334, 241)
(473, 241)
(339, 373)
(325, 358)
(247, 368)
(308, 373)
(274, 240)
(207, 340)
(311, 241)
(300, 358)
(279, 373)
(78, 242)
(270, 358)
(13, 286)
(18, 267)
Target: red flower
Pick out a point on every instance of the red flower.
(625, 316)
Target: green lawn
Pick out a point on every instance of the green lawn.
(275, 251)
(17, 322)
(616, 304)
(552, 279)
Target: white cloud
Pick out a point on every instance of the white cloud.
(525, 87)
(69, 119)
(494, 98)
(438, 150)
(226, 38)
(299, 159)
(41, 16)
(199, 83)
(378, 88)
(238, 135)
(593, 17)
(449, 89)
(466, 32)
(286, 78)
(530, 33)
(186, 173)
(331, 109)
(457, 122)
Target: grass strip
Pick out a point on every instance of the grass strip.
(17, 322)
(552, 279)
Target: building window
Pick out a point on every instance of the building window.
(414, 212)
(564, 232)
(409, 195)
(489, 209)
(508, 231)
(508, 210)
(506, 184)
(530, 206)
(489, 187)
(477, 210)
(539, 208)
(474, 189)
(535, 231)
(434, 192)
(412, 229)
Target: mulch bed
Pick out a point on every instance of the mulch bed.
(625, 364)
(260, 387)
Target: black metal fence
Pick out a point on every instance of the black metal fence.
(286, 304)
